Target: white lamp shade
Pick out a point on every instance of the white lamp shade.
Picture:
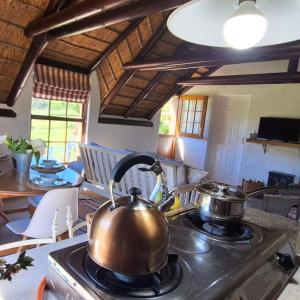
(202, 21)
(246, 27)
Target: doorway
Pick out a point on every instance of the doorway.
(227, 136)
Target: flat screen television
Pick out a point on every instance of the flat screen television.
(280, 129)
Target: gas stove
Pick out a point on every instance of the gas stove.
(206, 261)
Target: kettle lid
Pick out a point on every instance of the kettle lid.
(134, 201)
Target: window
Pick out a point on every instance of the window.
(191, 116)
(168, 114)
(60, 124)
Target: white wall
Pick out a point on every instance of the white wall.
(19, 126)
(116, 136)
(267, 100)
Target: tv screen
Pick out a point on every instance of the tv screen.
(281, 129)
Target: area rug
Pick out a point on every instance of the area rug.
(86, 206)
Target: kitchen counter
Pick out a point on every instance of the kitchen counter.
(286, 225)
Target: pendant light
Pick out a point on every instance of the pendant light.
(237, 23)
(246, 27)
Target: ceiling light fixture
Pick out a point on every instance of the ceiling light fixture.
(237, 23)
(246, 27)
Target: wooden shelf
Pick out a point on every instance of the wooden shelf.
(264, 143)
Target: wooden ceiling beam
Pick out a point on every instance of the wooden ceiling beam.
(137, 9)
(293, 65)
(116, 43)
(61, 65)
(268, 78)
(118, 121)
(38, 44)
(128, 74)
(226, 57)
(72, 14)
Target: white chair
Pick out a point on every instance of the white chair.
(21, 244)
(52, 239)
(39, 226)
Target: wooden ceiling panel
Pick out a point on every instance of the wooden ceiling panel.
(155, 21)
(18, 12)
(86, 41)
(162, 88)
(119, 27)
(73, 51)
(107, 75)
(120, 100)
(8, 68)
(138, 82)
(145, 30)
(13, 35)
(124, 52)
(130, 92)
(103, 34)
(41, 4)
(53, 55)
(134, 44)
(116, 64)
(11, 53)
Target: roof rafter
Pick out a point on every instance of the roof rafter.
(137, 9)
(72, 14)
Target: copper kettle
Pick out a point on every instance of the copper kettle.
(130, 235)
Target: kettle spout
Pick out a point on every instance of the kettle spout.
(167, 203)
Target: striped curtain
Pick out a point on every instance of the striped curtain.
(58, 84)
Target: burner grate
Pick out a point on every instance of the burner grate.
(152, 285)
(235, 231)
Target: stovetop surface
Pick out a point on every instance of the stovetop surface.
(211, 268)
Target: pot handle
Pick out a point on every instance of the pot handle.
(128, 162)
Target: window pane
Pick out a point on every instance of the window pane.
(74, 131)
(57, 131)
(191, 116)
(58, 108)
(189, 127)
(39, 129)
(198, 116)
(185, 104)
(184, 115)
(199, 106)
(182, 126)
(71, 152)
(56, 151)
(40, 107)
(74, 110)
(192, 105)
(196, 129)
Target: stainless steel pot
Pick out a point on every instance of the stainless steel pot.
(130, 235)
(221, 204)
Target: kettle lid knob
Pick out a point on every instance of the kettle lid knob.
(134, 191)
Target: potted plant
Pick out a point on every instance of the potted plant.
(22, 151)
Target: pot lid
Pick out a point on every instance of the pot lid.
(221, 191)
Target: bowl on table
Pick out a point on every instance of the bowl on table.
(49, 178)
(49, 163)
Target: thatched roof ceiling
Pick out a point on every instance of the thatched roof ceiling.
(84, 49)
(129, 93)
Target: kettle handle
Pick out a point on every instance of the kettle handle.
(128, 162)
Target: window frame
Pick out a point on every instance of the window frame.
(66, 119)
(181, 99)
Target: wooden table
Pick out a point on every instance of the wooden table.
(13, 184)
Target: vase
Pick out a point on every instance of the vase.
(21, 161)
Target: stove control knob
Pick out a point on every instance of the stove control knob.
(285, 261)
